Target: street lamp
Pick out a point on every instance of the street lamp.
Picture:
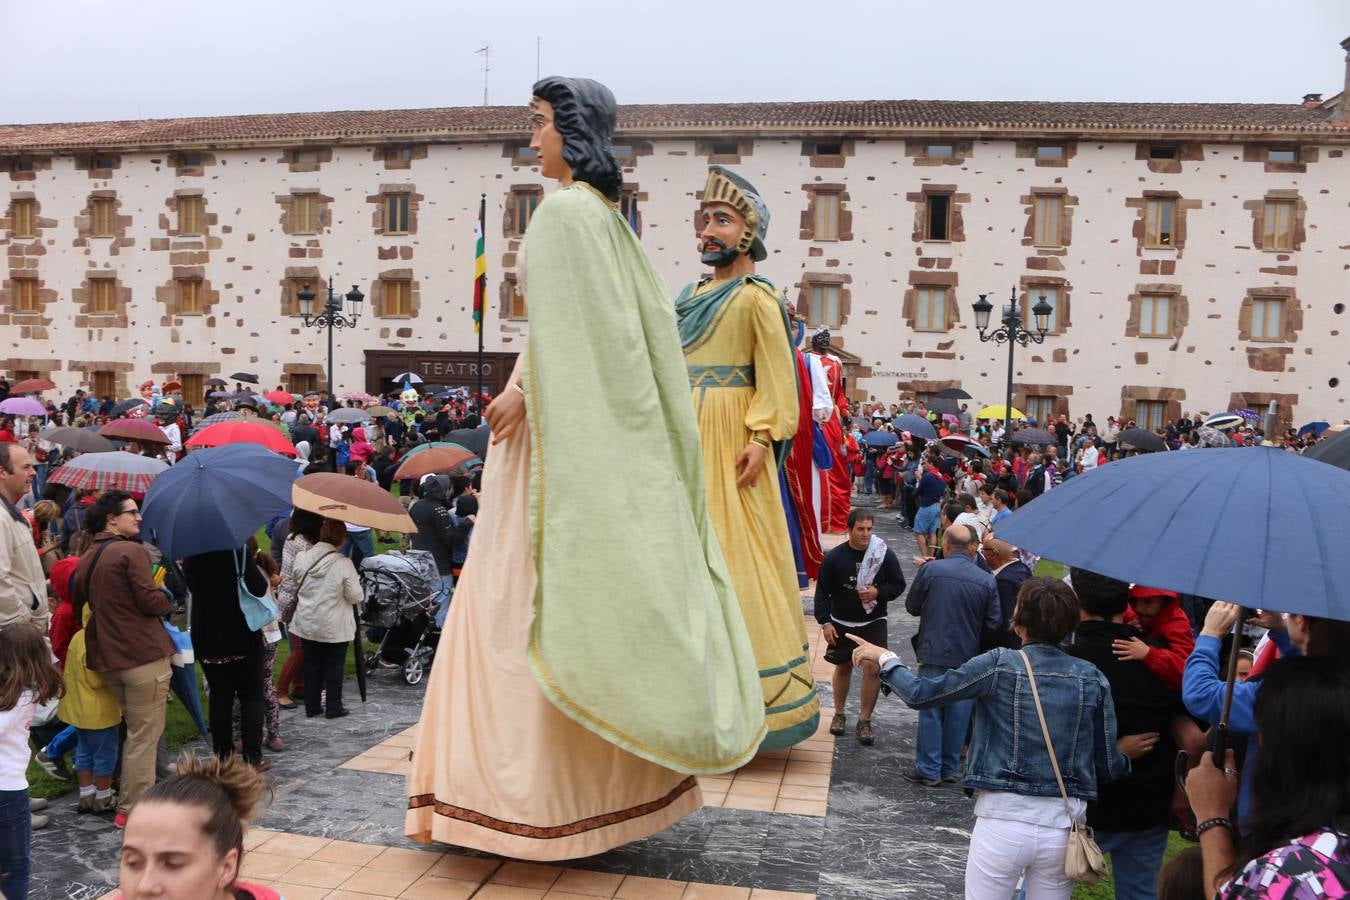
(1012, 333)
(330, 317)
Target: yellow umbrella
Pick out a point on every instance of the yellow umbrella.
(997, 412)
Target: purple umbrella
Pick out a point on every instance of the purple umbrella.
(22, 406)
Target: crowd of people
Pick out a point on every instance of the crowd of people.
(92, 616)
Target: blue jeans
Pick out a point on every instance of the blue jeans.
(869, 476)
(359, 545)
(62, 744)
(942, 733)
(97, 750)
(443, 599)
(1136, 857)
(16, 836)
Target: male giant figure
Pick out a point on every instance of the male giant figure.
(744, 378)
(836, 483)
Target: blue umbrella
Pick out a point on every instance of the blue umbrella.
(880, 439)
(214, 499)
(1255, 526)
(1315, 427)
(915, 425)
(183, 681)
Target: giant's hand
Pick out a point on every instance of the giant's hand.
(750, 464)
(505, 414)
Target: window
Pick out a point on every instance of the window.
(1155, 315)
(826, 216)
(1040, 408)
(306, 157)
(1268, 319)
(1158, 223)
(1162, 151)
(105, 384)
(1034, 294)
(1049, 151)
(193, 390)
(824, 299)
(303, 382)
(398, 154)
(103, 210)
(930, 309)
(26, 295)
(1277, 225)
(516, 308)
(937, 217)
(1048, 207)
(189, 160)
(523, 205)
(190, 295)
(25, 218)
(397, 298)
(831, 149)
(395, 213)
(23, 165)
(1150, 414)
(104, 293)
(1281, 156)
(26, 374)
(102, 162)
(304, 213)
(725, 148)
(941, 151)
(628, 208)
(189, 215)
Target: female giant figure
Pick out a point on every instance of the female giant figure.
(595, 658)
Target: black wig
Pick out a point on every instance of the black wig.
(584, 112)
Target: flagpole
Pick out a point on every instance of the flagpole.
(481, 290)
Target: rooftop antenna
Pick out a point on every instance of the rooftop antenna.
(486, 50)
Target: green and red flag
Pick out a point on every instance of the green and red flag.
(480, 269)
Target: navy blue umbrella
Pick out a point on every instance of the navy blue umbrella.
(214, 499)
(915, 425)
(1315, 427)
(880, 439)
(1259, 527)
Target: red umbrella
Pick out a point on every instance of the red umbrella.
(32, 386)
(957, 441)
(242, 432)
(281, 397)
(141, 430)
(440, 458)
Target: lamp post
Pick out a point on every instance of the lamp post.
(330, 317)
(1011, 333)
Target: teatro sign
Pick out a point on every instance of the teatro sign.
(439, 368)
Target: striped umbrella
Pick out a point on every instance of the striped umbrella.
(1224, 421)
(103, 471)
(217, 418)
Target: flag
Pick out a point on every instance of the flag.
(480, 269)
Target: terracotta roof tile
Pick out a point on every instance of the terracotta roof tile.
(825, 116)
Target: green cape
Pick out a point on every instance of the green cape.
(637, 634)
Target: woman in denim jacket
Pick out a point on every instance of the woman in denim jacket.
(1021, 827)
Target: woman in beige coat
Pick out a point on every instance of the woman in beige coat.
(327, 589)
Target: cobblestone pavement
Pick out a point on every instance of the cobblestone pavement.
(832, 819)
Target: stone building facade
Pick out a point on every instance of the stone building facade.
(1196, 254)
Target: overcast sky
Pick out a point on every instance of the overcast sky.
(78, 60)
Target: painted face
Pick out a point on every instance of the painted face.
(721, 229)
(547, 141)
(166, 855)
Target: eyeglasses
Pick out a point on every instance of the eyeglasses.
(129, 512)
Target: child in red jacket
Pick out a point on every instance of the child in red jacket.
(1158, 614)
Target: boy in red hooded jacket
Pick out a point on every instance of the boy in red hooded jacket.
(1158, 614)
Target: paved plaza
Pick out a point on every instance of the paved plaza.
(828, 818)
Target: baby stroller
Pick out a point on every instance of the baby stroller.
(400, 590)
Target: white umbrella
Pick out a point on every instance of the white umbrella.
(406, 377)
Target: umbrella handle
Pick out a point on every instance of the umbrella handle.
(1221, 731)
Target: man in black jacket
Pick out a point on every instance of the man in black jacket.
(841, 608)
(438, 533)
(1130, 814)
(1009, 572)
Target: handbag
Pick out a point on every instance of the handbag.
(1083, 859)
(258, 611)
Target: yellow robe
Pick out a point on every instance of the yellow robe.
(747, 344)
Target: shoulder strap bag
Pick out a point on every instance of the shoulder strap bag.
(258, 611)
(1083, 859)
